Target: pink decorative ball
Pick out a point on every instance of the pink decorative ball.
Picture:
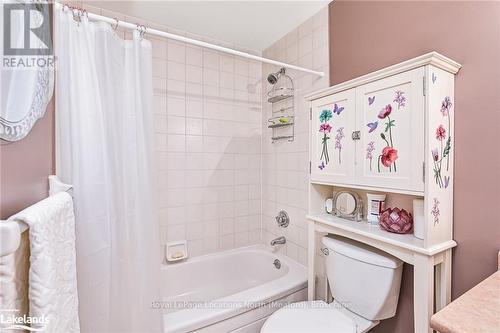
(396, 220)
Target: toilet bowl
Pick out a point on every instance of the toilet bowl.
(316, 317)
(364, 282)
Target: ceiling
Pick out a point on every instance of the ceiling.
(253, 25)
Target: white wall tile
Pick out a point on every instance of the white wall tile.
(285, 166)
(176, 51)
(219, 175)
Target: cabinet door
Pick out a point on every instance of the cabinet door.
(390, 116)
(331, 145)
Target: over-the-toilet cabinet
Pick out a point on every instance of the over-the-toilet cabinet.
(371, 135)
(391, 131)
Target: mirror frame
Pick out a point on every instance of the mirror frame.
(357, 214)
(17, 130)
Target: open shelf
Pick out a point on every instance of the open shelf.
(279, 125)
(279, 94)
(366, 229)
(369, 188)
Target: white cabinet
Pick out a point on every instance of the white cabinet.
(371, 135)
(332, 148)
(390, 117)
(397, 137)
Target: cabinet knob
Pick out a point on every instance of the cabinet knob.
(356, 135)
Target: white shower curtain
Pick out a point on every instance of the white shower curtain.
(104, 138)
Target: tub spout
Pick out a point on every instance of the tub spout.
(279, 240)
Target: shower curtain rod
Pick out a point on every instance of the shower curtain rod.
(117, 23)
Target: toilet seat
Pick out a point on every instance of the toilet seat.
(308, 317)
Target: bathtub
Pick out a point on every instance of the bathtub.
(230, 291)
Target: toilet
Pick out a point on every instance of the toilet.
(364, 282)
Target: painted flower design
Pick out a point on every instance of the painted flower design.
(444, 138)
(385, 112)
(400, 99)
(435, 154)
(440, 133)
(435, 211)
(325, 116)
(325, 128)
(446, 106)
(369, 152)
(338, 142)
(389, 156)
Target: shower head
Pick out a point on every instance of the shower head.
(273, 77)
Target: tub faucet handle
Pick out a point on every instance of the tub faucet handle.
(283, 219)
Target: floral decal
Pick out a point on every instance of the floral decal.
(325, 116)
(400, 99)
(369, 150)
(338, 142)
(389, 154)
(388, 157)
(435, 211)
(325, 128)
(445, 111)
(385, 112)
(443, 136)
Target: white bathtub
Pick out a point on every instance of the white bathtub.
(231, 291)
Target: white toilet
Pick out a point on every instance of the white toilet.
(364, 282)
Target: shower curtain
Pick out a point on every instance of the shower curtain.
(104, 139)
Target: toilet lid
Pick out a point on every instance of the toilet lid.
(310, 317)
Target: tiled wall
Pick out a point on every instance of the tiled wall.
(208, 121)
(221, 180)
(285, 171)
(208, 140)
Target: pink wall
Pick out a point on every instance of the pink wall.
(25, 166)
(365, 36)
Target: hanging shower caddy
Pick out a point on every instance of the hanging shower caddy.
(281, 97)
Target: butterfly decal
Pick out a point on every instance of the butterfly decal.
(321, 166)
(446, 181)
(434, 77)
(372, 126)
(337, 109)
(371, 100)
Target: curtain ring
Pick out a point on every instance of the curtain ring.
(142, 30)
(115, 25)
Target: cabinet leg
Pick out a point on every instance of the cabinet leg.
(311, 254)
(423, 293)
(444, 293)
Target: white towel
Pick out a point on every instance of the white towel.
(52, 273)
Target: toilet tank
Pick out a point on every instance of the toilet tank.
(364, 279)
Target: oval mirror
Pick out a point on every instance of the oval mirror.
(26, 80)
(347, 205)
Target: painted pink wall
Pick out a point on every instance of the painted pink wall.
(25, 166)
(365, 36)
